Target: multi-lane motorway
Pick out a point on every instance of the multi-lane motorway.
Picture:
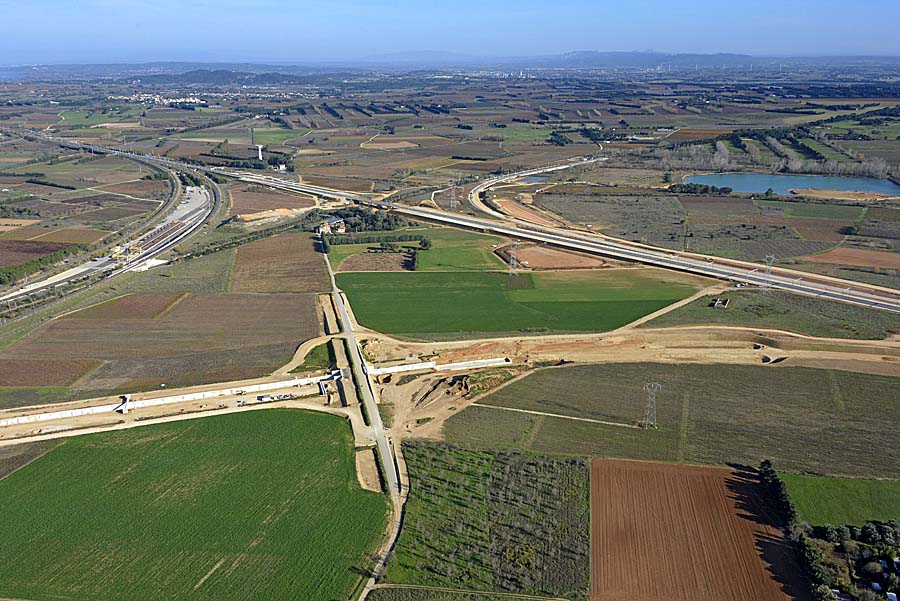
(725, 269)
(740, 272)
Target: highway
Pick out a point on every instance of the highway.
(745, 273)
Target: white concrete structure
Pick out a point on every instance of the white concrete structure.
(130, 405)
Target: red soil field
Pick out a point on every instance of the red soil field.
(546, 257)
(859, 257)
(283, 263)
(662, 532)
(73, 236)
(40, 372)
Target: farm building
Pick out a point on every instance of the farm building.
(332, 226)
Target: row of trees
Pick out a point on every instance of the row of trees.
(698, 189)
(13, 273)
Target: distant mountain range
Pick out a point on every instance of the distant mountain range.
(258, 74)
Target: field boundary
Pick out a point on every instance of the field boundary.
(545, 414)
(467, 592)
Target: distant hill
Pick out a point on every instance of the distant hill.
(187, 73)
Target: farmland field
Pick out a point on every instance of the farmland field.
(17, 252)
(276, 136)
(256, 199)
(451, 250)
(701, 534)
(144, 340)
(204, 509)
(780, 310)
(478, 303)
(822, 500)
(800, 418)
(486, 521)
(282, 263)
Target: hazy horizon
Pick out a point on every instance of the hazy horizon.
(264, 31)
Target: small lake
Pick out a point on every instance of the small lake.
(783, 184)
(533, 179)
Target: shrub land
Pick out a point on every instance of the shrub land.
(262, 505)
(784, 311)
(494, 521)
(805, 419)
(493, 302)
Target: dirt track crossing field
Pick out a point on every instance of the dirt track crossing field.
(680, 533)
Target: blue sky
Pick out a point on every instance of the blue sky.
(305, 31)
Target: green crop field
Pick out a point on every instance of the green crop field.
(276, 136)
(451, 249)
(816, 211)
(802, 419)
(780, 310)
(489, 521)
(257, 505)
(20, 396)
(460, 304)
(458, 250)
(837, 501)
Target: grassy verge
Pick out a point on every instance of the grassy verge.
(318, 358)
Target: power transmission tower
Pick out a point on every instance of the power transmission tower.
(453, 197)
(770, 260)
(513, 259)
(649, 420)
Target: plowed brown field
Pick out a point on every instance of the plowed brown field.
(663, 532)
(859, 257)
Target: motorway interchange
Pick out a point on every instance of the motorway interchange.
(734, 271)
